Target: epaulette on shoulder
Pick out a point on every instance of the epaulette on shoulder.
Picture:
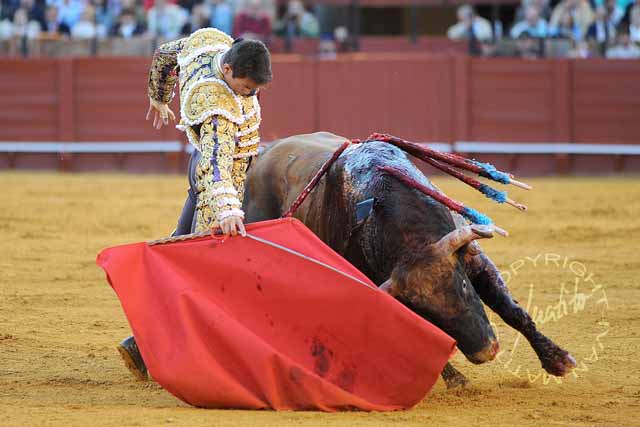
(202, 41)
(210, 97)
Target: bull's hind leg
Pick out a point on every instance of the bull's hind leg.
(493, 291)
(452, 377)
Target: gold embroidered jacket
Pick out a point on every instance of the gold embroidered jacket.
(220, 124)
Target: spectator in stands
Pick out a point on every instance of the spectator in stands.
(137, 8)
(533, 25)
(106, 12)
(21, 26)
(251, 22)
(85, 28)
(634, 24)
(199, 19)
(566, 28)
(470, 25)
(220, 15)
(35, 10)
(128, 25)
(6, 29)
(624, 47)
(618, 9)
(603, 29)
(327, 49)
(148, 4)
(298, 22)
(53, 25)
(580, 11)
(69, 11)
(341, 38)
(8, 9)
(188, 4)
(580, 49)
(166, 20)
(542, 5)
(528, 45)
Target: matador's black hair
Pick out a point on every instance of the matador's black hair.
(249, 58)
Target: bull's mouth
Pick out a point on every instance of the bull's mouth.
(487, 354)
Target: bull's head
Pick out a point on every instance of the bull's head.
(434, 284)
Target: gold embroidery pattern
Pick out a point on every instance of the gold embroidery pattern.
(209, 96)
(248, 134)
(163, 72)
(203, 40)
(240, 176)
(215, 177)
(195, 70)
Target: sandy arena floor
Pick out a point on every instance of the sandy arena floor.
(573, 259)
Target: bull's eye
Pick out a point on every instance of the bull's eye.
(464, 284)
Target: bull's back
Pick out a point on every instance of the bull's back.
(280, 173)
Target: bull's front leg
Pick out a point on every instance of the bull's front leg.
(452, 377)
(493, 291)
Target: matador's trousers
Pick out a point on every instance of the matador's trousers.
(187, 220)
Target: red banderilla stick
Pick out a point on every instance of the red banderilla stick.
(311, 185)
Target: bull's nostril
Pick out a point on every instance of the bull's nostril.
(495, 347)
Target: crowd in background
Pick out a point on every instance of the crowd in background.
(167, 19)
(613, 26)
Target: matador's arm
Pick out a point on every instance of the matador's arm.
(218, 145)
(248, 140)
(163, 74)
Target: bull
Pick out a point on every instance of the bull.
(411, 246)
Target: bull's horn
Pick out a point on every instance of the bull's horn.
(386, 286)
(459, 237)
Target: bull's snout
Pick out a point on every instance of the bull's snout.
(486, 354)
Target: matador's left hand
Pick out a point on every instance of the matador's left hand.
(162, 113)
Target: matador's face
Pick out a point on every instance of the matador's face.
(243, 86)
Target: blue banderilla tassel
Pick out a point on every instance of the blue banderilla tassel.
(492, 193)
(490, 171)
(476, 217)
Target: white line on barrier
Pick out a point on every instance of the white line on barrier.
(545, 148)
(478, 147)
(92, 147)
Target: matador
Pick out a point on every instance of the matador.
(219, 80)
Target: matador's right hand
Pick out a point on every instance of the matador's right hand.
(162, 113)
(233, 225)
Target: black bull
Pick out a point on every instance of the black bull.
(415, 248)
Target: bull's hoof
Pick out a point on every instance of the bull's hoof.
(453, 378)
(130, 353)
(557, 361)
(457, 381)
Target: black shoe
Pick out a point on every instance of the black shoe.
(130, 353)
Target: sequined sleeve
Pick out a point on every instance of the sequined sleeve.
(163, 74)
(218, 146)
(249, 132)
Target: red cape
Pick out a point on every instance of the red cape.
(238, 323)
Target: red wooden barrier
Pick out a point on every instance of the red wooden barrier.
(30, 95)
(606, 101)
(423, 97)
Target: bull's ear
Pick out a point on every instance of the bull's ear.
(473, 248)
(363, 209)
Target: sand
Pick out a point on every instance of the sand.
(572, 259)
